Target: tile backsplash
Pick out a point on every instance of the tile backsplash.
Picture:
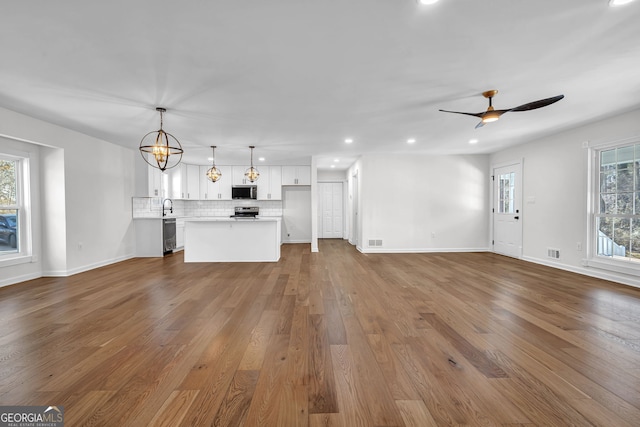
(145, 207)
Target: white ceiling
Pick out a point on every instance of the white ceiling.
(297, 77)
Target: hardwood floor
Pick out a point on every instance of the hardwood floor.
(335, 338)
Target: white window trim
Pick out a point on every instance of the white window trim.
(25, 255)
(618, 265)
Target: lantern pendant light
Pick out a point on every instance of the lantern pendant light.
(214, 174)
(252, 173)
(163, 153)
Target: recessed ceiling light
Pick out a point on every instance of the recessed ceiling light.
(261, 159)
(333, 166)
(336, 160)
(348, 141)
(210, 159)
(473, 141)
(427, 1)
(618, 2)
(411, 141)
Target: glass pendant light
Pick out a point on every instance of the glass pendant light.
(162, 152)
(252, 173)
(214, 174)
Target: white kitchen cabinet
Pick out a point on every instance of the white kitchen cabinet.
(157, 184)
(175, 182)
(270, 183)
(240, 179)
(192, 186)
(184, 181)
(220, 190)
(296, 175)
(179, 233)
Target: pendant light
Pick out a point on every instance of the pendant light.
(163, 153)
(252, 173)
(214, 174)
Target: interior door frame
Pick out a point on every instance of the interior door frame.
(343, 222)
(519, 190)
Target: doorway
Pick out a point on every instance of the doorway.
(507, 210)
(330, 210)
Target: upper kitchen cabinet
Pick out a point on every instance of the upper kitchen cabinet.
(270, 183)
(220, 190)
(296, 175)
(185, 181)
(158, 182)
(239, 178)
(193, 182)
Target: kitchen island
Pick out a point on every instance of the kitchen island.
(232, 239)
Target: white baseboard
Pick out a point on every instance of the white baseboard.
(418, 250)
(82, 269)
(587, 271)
(18, 279)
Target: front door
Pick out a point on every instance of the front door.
(507, 207)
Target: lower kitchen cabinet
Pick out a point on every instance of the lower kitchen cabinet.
(180, 233)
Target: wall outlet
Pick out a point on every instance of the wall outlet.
(433, 234)
(79, 246)
(579, 246)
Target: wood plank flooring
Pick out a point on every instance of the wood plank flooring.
(335, 338)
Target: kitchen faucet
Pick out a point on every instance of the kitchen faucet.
(164, 202)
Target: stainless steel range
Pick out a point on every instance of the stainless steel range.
(245, 212)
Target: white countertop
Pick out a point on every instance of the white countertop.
(229, 219)
(212, 218)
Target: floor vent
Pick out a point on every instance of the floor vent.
(373, 243)
(553, 253)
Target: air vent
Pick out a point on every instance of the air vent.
(375, 243)
(553, 253)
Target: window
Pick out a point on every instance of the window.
(507, 192)
(13, 213)
(617, 210)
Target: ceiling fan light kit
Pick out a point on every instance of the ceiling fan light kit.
(614, 3)
(492, 115)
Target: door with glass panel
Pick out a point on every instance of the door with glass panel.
(507, 217)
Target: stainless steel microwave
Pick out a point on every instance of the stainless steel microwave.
(244, 192)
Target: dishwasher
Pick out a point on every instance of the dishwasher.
(168, 235)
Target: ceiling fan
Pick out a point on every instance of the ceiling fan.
(491, 115)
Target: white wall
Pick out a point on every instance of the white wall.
(296, 214)
(54, 236)
(98, 186)
(424, 203)
(554, 211)
(332, 175)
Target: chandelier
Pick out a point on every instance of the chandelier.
(252, 173)
(214, 174)
(163, 150)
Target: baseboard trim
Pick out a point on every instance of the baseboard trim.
(82, 269)
(18, 279)
(611, 276)
(418, 250)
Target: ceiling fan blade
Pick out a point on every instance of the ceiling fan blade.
(537, 104)
(480, 124)
(460, 112)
